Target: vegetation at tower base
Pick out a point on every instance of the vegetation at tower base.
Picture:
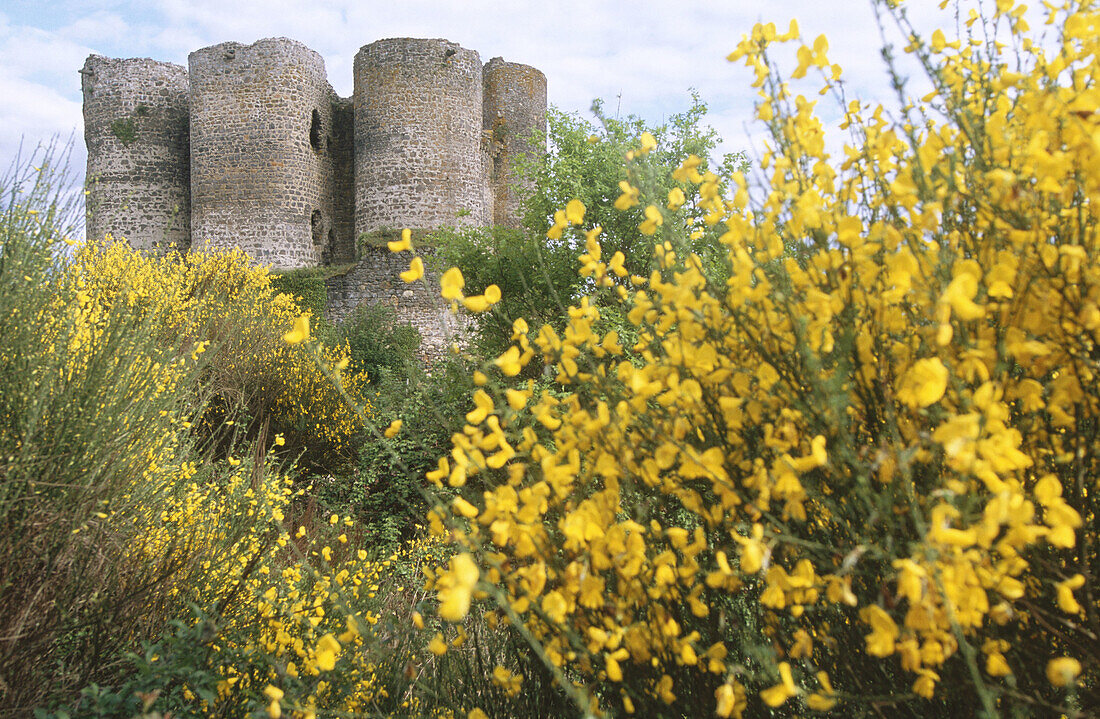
(584, 161)
(306, 286)
(858, 476)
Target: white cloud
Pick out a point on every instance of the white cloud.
(31, 113)
(96, 28)
(44, 55)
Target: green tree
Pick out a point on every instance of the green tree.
(585, 160)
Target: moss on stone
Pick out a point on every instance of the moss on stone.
(379, 238)
(123, 128)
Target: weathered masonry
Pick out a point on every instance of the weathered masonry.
(249, 146)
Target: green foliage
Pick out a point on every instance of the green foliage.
(378, 343)
(386, 493)
(538, 277)
(157, 677)
(587, 161)
(306, 286)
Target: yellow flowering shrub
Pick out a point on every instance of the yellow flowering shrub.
(853, 468)
(92, 443)
(117, 516)
(222, 299)
(290, 611)
(152, 569)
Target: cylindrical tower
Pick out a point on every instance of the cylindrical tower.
(515, 106)
(261, 168)
(135, 127)
(418, 140)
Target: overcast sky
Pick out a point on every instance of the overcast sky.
(640, 56)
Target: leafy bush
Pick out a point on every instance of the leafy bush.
(306, 286)
(118, 514)
(95, 454)
(377, 343)
(278, 621)
(586, 161)
(387, 492)
(858, 476)
(538, 278)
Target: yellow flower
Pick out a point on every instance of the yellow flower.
(959, 295)
(1066, 601)
(884, 632)
(452, 283)
(730, 699)
(574, 211)
(507, 681)
(464, 508)
(653, 220)
(820, 702)
(404, 244)
(664, 689)
(781, 692)
(456, 586)
(476, 303)
(676, 198)
(300, 331)
(648, 143)
(415, 271)
(996, 665)
(925, 685)
(437, 646)
(629, 198)
(509, 362)
(393, 429)
(326, 652)
(1063, 671)
(924, 383)
(555, 607)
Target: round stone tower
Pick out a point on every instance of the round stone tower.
(515, 106)
(418, 138)
(261, 170)
(135, 127)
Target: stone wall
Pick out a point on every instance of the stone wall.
(262, 169)
(135, 127)
(514, 107)
(250, 147)
(418, 139)
(374, 279)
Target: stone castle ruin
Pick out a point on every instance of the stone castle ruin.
(250, 147)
